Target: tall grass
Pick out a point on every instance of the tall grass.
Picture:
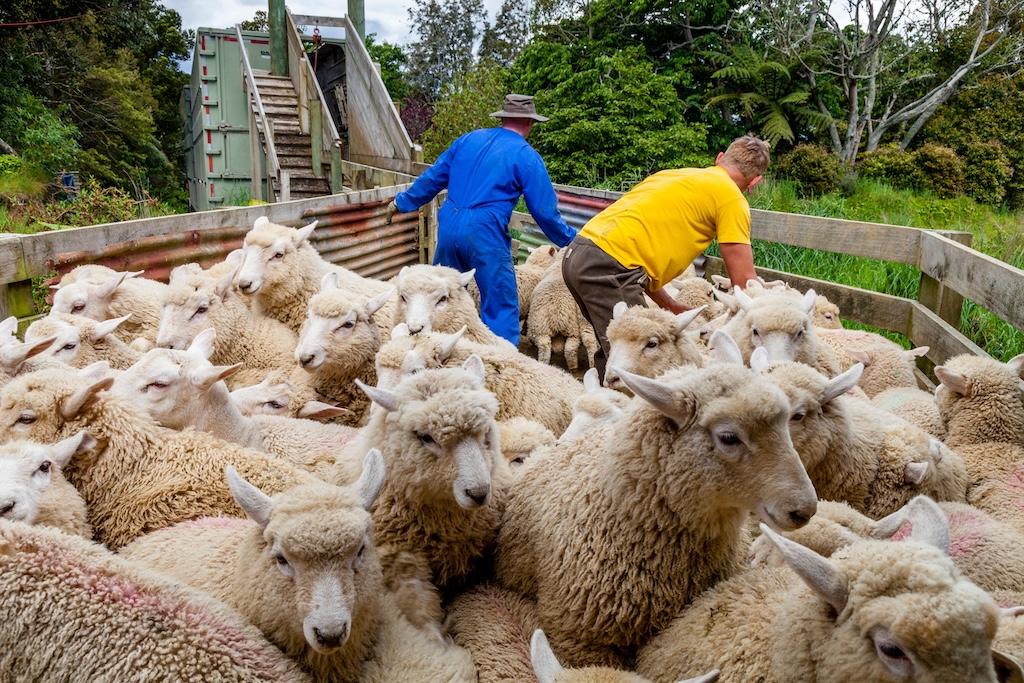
(999, 234)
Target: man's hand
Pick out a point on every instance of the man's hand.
(664, 300)
(390, 212)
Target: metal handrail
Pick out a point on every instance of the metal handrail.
(268, 130)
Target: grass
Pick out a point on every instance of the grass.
(999, 234)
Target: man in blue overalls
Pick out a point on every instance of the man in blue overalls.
(485, 172)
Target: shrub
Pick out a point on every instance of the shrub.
(9, 164)
(815, 168)
(987, 170)
(93, 206)
(889, 164)
(940, 170)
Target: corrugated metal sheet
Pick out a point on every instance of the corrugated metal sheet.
(352, 235)
(576, 210)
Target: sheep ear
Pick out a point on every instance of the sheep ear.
(63, 451)
(475, 366)
(545, 664)
(73, 404)
(1016, 364)
(886, 527)
(684, 319)
(448, 345)
(722, 283)
(318, 410)
(659, 395)
(725, 348)
(329, 282)
(591, 381)
(399, 330)
(257, 505)
(204, 378)
(203, 343)
(372, 478)
(402, 271)
(931, 525)
(953, 380)
(837, 386)
(237, 257)
(807, 303)
(1008, 668)
(9, 327)
(102, 329)
(862, 357)
(921, 351)
(103, 291)
(382, 397)
(759, 360)
(94, 371)
(377, 302)
(728, 300)
(302, 234)
(914, 473)
(13, 355)
(743, 299)
(223, 285)
(467, 277)
(262, 220)
(619, 309)
(817, 572)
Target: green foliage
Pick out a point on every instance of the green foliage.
(890, 164)
(470, 99)
(392, 60)
(446, 32)
(259, 22)
(94, 205)
(815, 168)
(940, 170)
(987, 170)
(505, 39)
(10, 164)
(22, 185)
(612, 115)
(38, 131)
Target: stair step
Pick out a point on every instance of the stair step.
(275, 111)
(292, 161)
(289, 150)
(280, 101)
(267, 78)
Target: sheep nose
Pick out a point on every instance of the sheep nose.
(245, 285)
(611, 381)
(478, 495)
(305, 359)
(5, 508)
(415, 329)
(330, 640)
(802, 516)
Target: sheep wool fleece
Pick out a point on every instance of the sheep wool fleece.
(485, 171)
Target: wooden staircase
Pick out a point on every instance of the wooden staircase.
(294, 151)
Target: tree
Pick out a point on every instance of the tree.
(505, 39)
(391, 59)
(465, 107)
(257, 23)
(447, 32)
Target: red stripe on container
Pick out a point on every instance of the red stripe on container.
(209, 137)
(211, 184)
(260, 42)
(204, 69)
(202, 42)
(210, 157)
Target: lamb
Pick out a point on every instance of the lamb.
(988, 552)
(281, 271)
(181, 389)
(33, 489)
(696, 292)
(874, 611)
(337, 346)
(595, 406)
(521, 437)
(278, 395)
(915, 406)
(649, 341)
(524, 387)
(82, 341)
(17, 358)
(886, 363)
(304, 570)
(783, 326)
(142, 477)
(434, 299)
(445, 492)
(826, 314)
(529, 273)
(602, 533)
(101, 294)
(195, 301)
(554, 314)
(857, 453)
(79, 613)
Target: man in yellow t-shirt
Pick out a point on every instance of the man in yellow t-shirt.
(653, 232)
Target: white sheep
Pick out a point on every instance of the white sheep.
(303, 569)
(19, 358)
(76, 612)
(278, 395)
(613, 535)
(649, 342)
(529, 273)
(595, 406)
(856, 452)
(33, 488)
(521, 438)
(281, 271)
(696, 292)
(874, 611)
(524, 387)
(142, 477)
(337, 345)
(82, 341)
(555, 315)
(886, 363)
(434, 299)
(445, 491)
(100, 293)
(913, 405)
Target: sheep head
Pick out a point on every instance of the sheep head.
(89, 296)
(778, 322)
(26, 469)
(649, 341)
(47, 405)
(266, 252)
(193, 302)
(79, 341)
(337, 331)
(979, 399)
(426, 295)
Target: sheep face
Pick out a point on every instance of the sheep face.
(79, 340)
(425, 293)
(87, 297)
(266, 252)
(191, 304)
(826, 314)
(336, 332)
(648, 342)
(269, 397)
(26, 469)
(37, 406)
(67, 344)
(155, 384)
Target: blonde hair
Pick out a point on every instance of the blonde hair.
(748, 155)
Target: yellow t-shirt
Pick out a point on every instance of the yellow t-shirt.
(669, 218)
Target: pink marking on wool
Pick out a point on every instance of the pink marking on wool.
(966, 529)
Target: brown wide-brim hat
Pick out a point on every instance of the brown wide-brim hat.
(519, 107)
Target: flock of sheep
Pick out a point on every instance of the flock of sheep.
(390, 492)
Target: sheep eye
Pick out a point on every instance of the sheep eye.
(202, 309)
(799, 334)
(347, 325)
(45, 467)
(753, 331)
(276, 405)
(69, 346)
(443, 299)
(77, 308)
(728, 438)
(403, 299)
(427, 439)
(797, 417)
(276, 256)
(359, 555)
(828, 316)
(892, 651)
(26, 419)
(156, 385)
(652, 344)
(280, 559)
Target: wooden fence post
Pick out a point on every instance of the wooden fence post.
(337, 177)
(945, 302)
(316, 137)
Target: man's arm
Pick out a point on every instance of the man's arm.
(739, 262)
(664, 300)
(541, 200)
(428, 184)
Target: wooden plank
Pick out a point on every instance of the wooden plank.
(939, 298)
(873, 240)
(336, 169)
(992, 284)
(308, 20)
(316, 135)
(928, 329)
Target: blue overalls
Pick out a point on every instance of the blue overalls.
(485, 172)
